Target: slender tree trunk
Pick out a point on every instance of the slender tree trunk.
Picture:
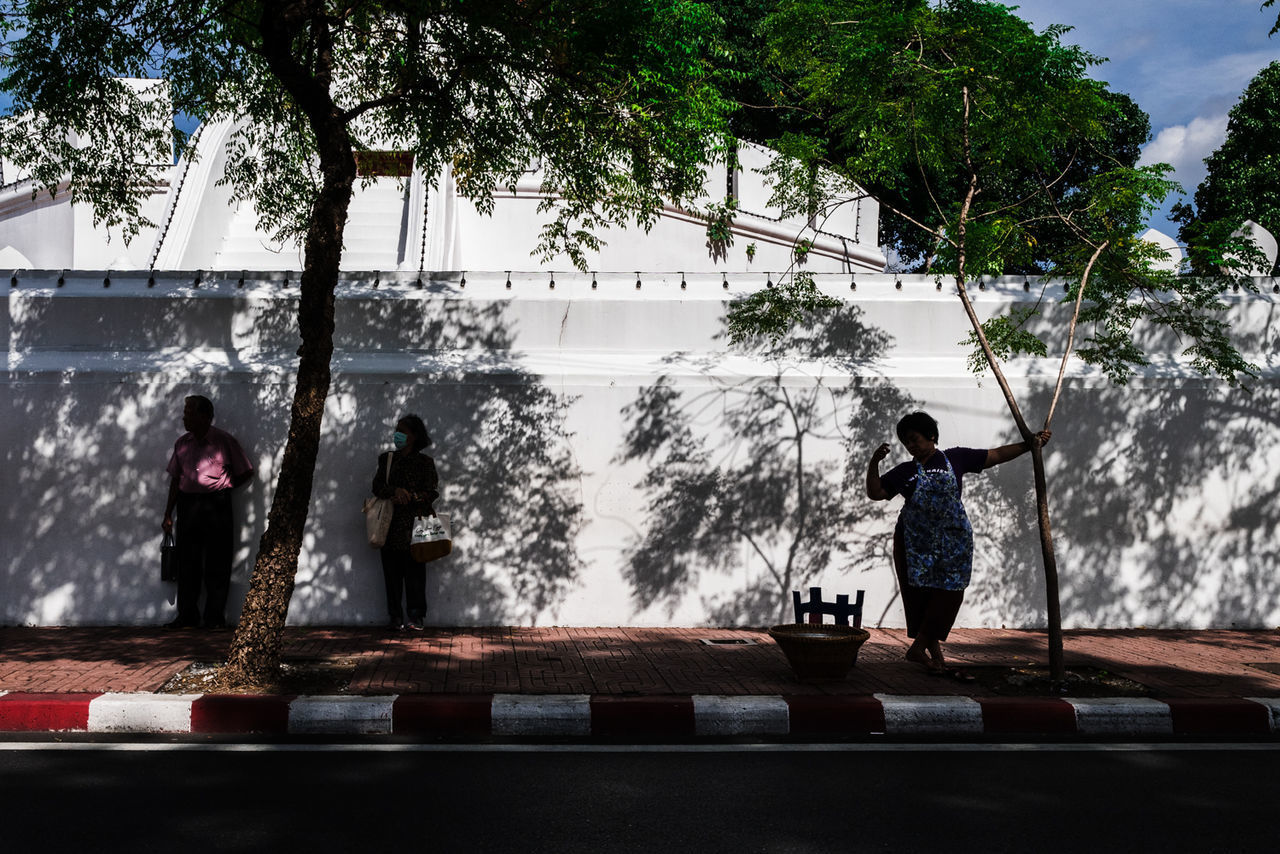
(255, 649)
(1049, 560)
(1057, 663)
(1053, 608)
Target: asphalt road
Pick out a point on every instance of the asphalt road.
(914, 798)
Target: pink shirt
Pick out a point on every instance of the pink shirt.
(209, 464)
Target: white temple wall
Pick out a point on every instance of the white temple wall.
(105, 249)
(202, 210)
(24, 221)
(28, 224)
(421, 223)
(676, 242)
(505, 241)
(553, 412)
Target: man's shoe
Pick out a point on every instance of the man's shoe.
(416, 625)
(180, 623)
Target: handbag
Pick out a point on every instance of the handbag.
(377, 515)
(431, 538)
(168, 558)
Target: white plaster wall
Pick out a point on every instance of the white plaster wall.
(199, 210)
(545, 404)
(98, 248)
(199, 228)
(506, 239)
(29, 225)
(25, 222)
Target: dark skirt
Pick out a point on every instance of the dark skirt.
(931, 611)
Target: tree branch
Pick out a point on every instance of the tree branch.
(1071, 332)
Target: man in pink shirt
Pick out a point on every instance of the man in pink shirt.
(207, 463)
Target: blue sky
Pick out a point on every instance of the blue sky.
(1186, 62)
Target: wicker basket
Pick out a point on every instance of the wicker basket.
(818, 651)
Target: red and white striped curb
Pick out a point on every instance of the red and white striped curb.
(607, 716)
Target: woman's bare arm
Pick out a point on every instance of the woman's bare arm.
(874, 490)
(1004, 453)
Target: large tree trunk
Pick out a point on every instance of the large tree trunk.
(255, 649)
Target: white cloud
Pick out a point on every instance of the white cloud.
(1185, 147)
(1186, 62)
(1177, 58)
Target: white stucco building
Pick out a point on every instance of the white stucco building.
(607, 456)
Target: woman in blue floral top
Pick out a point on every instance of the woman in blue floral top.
(933, 541)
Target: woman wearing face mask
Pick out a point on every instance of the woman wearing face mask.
(408, 477)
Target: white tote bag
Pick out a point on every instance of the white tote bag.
(432, 538)
(377, 515)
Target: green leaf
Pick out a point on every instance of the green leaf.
(772, 312)
(1007, 337)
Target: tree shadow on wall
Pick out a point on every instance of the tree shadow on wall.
(1165, 509)
(508, 477)
(84, 473)
(750, 474)
(94, 403)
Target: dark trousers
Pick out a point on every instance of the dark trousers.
(205, 539)
(931, 611)
(404, 575)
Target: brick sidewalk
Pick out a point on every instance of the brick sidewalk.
(632, 661)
